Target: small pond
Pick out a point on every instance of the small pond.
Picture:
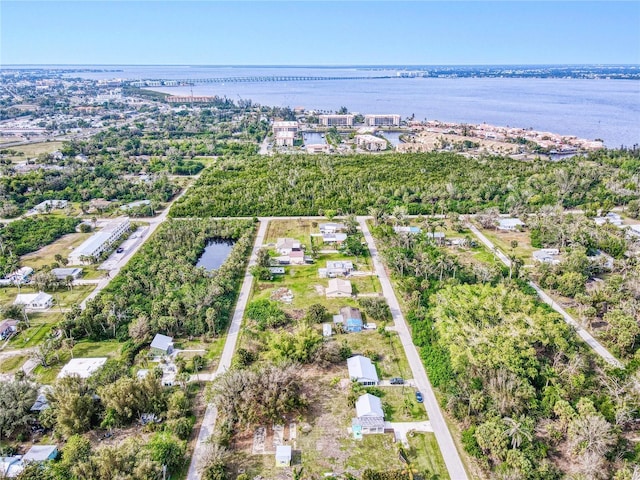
(215, 253)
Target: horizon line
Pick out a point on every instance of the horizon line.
(317, 65)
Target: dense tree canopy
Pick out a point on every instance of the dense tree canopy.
(424, 183)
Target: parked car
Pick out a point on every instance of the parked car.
(419, 397)
(396, 381)
(120, 250)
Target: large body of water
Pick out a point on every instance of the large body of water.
(604, 109)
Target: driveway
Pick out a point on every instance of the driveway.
(443, 436)
(402, 430)
(211, 414)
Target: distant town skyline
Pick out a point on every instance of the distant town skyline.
(319, 33)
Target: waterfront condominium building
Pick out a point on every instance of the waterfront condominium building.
(382, 120)
(336, 120)
(285, 127)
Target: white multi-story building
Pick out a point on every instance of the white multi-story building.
(382, 120)
(371, 143)
(285, 127)
(336, 120)
(285, 139)
(100, 241)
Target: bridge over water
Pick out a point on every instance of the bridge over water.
(252, 79)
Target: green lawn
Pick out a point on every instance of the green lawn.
(12, 364)
(502, 240)
(63, 297)
(391, 361)
(308, 288)
(299, 229)
(378, 452)
(402, 404)
(48, 375)
(105, 348)
(40, 326)
(425, 454)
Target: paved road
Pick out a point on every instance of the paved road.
(440, 429)
(585, 335)
(210, 415)
(142, 235)
(264, 146)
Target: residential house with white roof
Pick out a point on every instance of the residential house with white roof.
(34, 301)
(339, 288)
(362, 370)
(369, 416)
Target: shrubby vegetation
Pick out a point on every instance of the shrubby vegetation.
(424, 183)
(605, 291)
(161, 289)
(525, 391)
(28, 235)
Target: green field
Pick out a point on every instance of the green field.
(12, 364)
(425, 454)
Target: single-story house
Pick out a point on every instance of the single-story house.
(337, 238)
(336, 268)
(352, 319)
(82, 367)
(547, 255)
(331, 227)
(317, 147)
(285, 246)
(34, 301)
(611, 217)
(633, 230)
(139, 203)
(338, 288)
(369, 416)
(20, 276)
(438, 237)
(169, 372)
(407, 230)
(509, 224)
(283, 455)
(362, 370)
(162, 345)
(40, 453)
(49, 205)
(11, 467)
(63, 273)
(41, 402)
(296, 257)
(8, 327)
(603, 259)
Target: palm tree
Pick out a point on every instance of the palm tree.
(517, 431)
(408, 468)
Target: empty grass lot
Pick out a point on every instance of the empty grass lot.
(46, 255)
(40, 325)
(425, 454)
(12, 364)
(402, 404)
(503, 240)
(34, 149)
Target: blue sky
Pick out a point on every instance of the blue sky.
(318, 33)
